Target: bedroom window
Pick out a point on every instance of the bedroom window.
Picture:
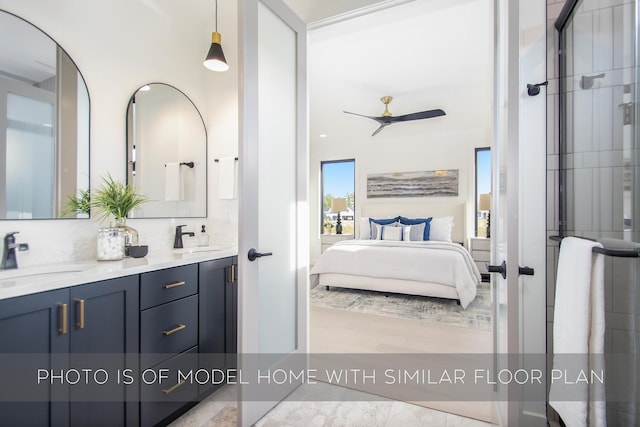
(483, 190)
(338, 181)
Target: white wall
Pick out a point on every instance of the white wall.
(118, 46)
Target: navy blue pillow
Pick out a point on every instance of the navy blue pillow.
(412, 221)
(381, 221)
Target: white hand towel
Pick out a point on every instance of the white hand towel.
(226, 177)
(172, 181)
(578, 329)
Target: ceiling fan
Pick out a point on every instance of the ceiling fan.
(387, 119)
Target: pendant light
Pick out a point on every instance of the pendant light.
(215, 59)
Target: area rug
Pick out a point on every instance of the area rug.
(425, 309)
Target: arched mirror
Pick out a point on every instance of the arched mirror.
(44, 125)
(166, 153)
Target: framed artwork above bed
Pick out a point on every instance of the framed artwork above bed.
(437, 183)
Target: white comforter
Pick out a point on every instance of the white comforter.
(443, 263)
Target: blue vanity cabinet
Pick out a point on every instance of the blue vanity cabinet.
(182, 317)
(168, 341)
(231, 306)
(31, 326)
(104, 329)
(215, 279)
(96, 318)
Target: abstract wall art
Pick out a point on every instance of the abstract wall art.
(438, 183)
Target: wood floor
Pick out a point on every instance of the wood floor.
(341, 331)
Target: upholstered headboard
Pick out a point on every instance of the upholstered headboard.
(423, 210)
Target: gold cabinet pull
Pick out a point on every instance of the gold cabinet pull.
(231, 277)
(174, 330)
(173, 388)
(174, 285)
(80, 322)
(63, 319)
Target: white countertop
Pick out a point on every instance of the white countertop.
(48, 277)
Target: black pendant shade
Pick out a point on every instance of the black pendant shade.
(215, 59)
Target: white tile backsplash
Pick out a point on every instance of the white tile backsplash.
(55, 241)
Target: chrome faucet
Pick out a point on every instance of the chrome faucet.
(177, 240)
(9, 259)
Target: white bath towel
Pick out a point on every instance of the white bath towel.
(172, 184)
(226, 177)
(578, 331)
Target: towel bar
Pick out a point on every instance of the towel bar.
(622, 253)
(217, 160)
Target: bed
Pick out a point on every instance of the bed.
(431, 268)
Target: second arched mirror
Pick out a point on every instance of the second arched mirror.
(166, 153)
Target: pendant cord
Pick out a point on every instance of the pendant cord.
(216, 15)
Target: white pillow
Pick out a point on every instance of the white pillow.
(413, 233)
(391, 232)
(441, 229)
(365, 229)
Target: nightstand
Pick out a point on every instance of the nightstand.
(329, 239)
(480, 249)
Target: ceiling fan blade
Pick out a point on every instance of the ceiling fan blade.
(417, 116)
(382, 126)
(377, 119)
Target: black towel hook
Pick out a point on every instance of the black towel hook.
(534, 89)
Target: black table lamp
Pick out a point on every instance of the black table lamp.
(338, 205)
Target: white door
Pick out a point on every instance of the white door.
(273, 289)
(519, 212)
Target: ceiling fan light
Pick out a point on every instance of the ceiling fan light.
(215, 59)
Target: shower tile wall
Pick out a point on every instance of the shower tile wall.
(601, 163)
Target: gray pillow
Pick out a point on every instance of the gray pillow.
(414, 233)
(376, 228)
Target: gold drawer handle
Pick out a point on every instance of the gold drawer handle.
(172, 389)
(174, 330)
(174, 285)
(63, 319)
(80, 322)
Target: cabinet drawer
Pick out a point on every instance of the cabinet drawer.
(170, 328)
(158, 287)
(481, 255)
(481, 244)
(158, 401)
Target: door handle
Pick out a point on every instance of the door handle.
(253, 254)
(502, 269)
(525, 271)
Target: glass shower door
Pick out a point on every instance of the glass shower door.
(600, 171)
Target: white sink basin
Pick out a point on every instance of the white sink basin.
(43, 270)
(196, 249)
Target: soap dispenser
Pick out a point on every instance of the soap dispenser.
(203, 238)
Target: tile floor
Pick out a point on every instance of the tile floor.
(347, 408)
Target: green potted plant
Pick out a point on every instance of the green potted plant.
(115, 199)
(328, 226)
(79, 204)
